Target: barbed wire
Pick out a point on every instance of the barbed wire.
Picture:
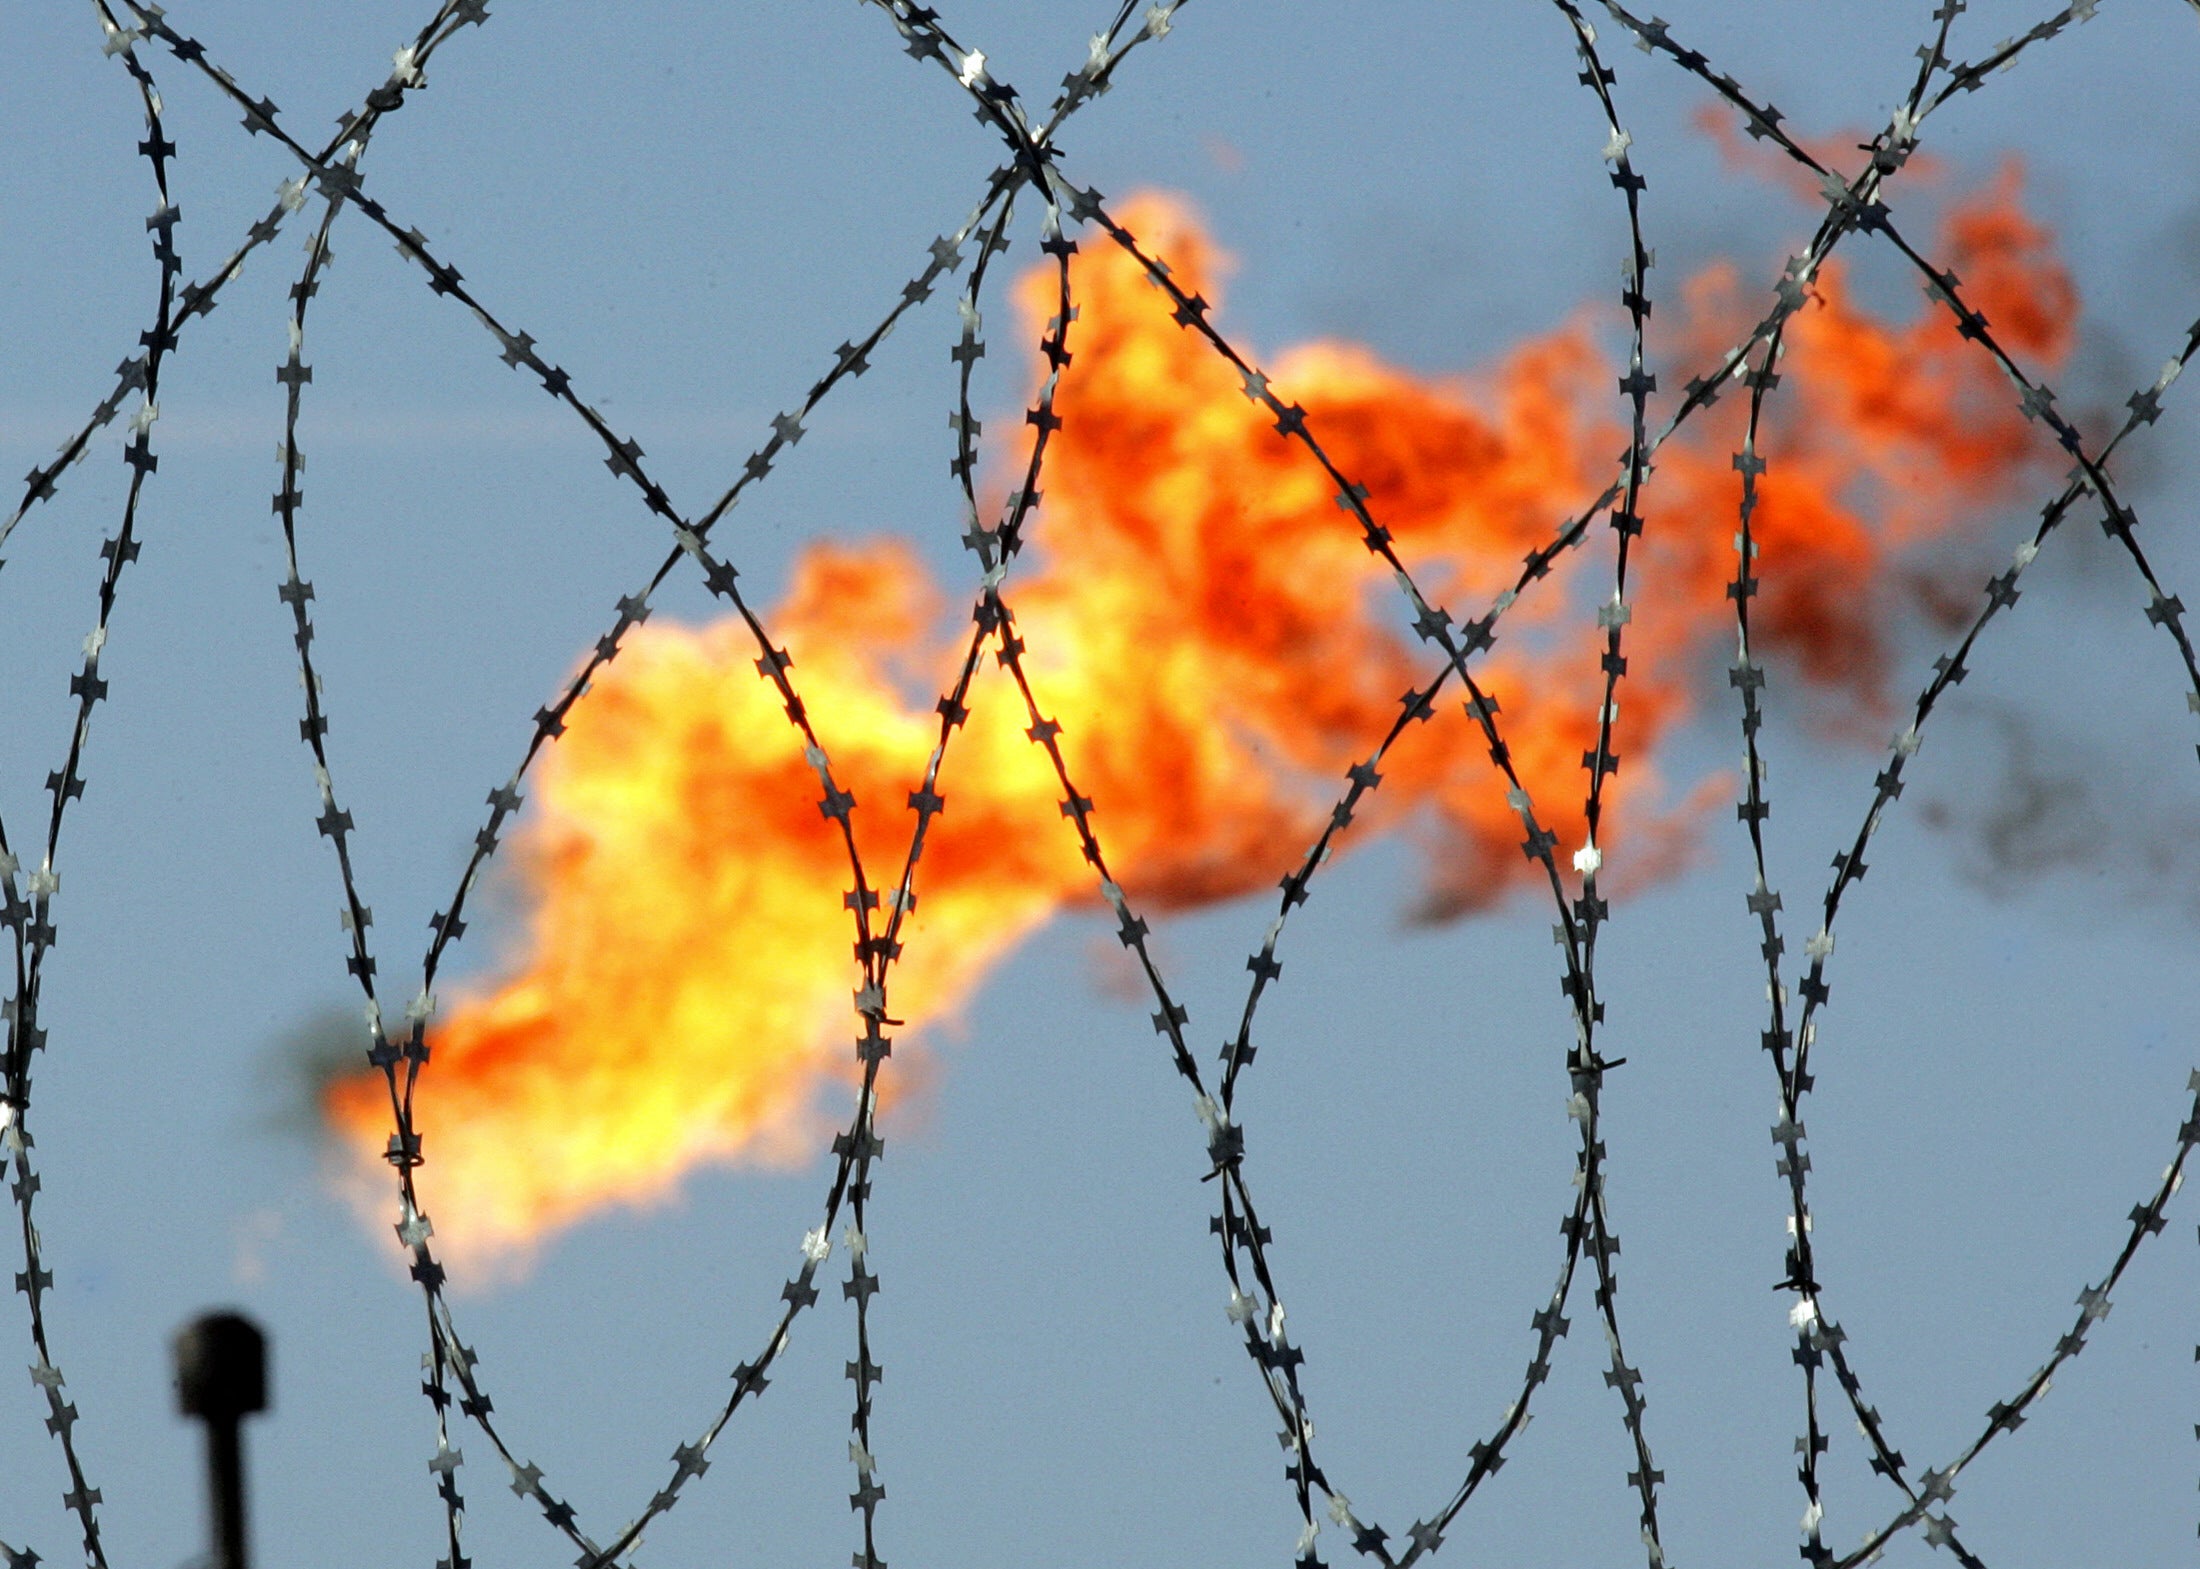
(880, 908)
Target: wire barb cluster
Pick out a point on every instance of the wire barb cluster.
(333, 176)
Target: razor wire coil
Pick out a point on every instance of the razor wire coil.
(879, 908)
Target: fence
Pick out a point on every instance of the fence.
(332, 184)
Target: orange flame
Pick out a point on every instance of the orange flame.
(1218, 646)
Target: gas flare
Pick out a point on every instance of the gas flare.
(1218, 646)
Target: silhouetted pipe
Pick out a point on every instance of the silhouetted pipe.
(221, 1378)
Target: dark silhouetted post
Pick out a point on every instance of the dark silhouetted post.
(221, 1378)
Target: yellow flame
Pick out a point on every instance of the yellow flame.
(1218, 646)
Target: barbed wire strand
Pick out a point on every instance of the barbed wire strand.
(413, 1226)
(1818, 1335)
(30, 921)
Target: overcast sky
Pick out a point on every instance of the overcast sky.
(690, 205)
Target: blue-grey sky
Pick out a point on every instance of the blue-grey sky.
(690, 205)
